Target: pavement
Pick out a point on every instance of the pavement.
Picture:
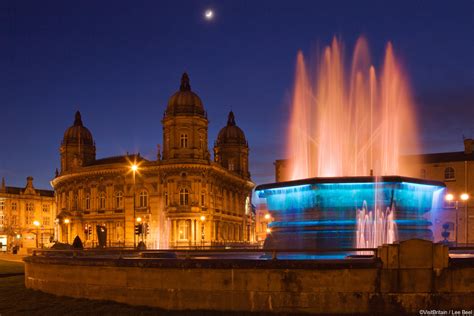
(12, 257)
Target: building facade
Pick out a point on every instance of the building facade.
(27, 216)
(181, 198)
(456, 170)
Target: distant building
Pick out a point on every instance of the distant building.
(20, 210)
(182, 198)
(456, 170)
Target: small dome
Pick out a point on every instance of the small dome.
(78, 133)
(231, 134)
(185, 101)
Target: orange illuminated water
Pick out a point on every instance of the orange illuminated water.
(351, 121)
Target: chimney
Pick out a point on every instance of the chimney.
(468, 146)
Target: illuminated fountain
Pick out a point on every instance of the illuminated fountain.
(345, 137)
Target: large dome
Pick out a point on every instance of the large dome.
(231, 134)
(185, 101)
(78, 134)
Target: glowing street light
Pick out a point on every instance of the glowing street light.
(464, 197)
(267, 216)
(203, 218)
(37, 224)
(269, 230)
(134, 169)
(139, 219)
(67, 221)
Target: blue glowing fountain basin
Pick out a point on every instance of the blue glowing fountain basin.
(322, 212)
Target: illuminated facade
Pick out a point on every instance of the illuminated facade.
(456, 170)
(181, 198)
(26, 216)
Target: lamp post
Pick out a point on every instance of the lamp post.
(134, 169)
(203, 218)
(464, 197)
(37, 224)
(140, 230)
(67, 221)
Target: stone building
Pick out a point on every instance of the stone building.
(27, 216)
(181, 198)
(456, 170)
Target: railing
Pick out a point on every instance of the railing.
(210, 253)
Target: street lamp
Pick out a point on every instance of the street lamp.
(37, 224)
(203, 218)
(464, 197)
(134, 169)
(67, 221)
(267, 216)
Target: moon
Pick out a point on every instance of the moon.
(209, 14)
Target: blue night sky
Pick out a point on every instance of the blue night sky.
(119, 61)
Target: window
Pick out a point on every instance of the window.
(45, 208)
(30, 207)
(14, 220)
(14, 207)
(88, 202)
(101, 200)
(423, 173)
(231, 165)
(74, 202)
(166, 199)
(143, 199)
(30, 213)
(119, 199)
(449, 173)
(203, 198)
(183, 229)
(184, 140)
(2, 205)
(183, 196)
(46, 221)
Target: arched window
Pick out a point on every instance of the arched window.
(449, 173)
(423, 173)
(88, 202)
(203, 198)
(102, 200)
(184, 140)
(143, 199)
(183, 196)
(119, 199)
(166, 199)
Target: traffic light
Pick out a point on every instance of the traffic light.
(138, 229)
(147, 229)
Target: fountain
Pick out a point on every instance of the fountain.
(345, 137)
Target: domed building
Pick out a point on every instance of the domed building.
(180, 199)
